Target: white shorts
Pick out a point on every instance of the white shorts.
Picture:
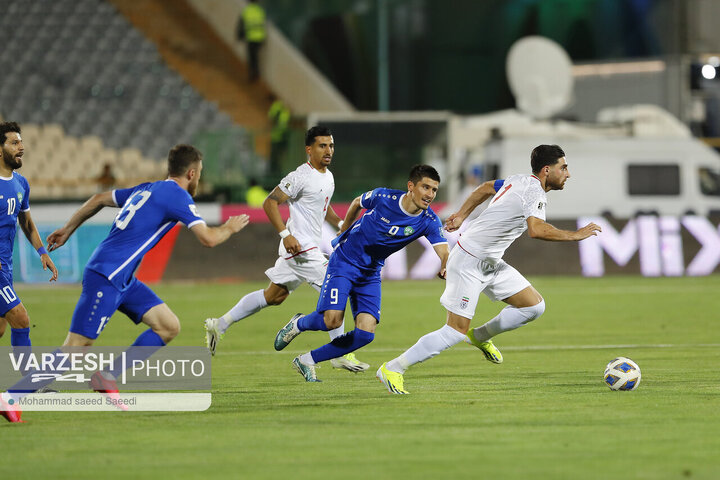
(468, 276)
(291, 272)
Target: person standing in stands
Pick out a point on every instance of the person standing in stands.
(251, 30)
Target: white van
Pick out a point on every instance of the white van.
(625, 176)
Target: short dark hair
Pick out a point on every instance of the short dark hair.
(418, 172)
(316, 131)
(181, 157)
(7, 127)
(544, 156)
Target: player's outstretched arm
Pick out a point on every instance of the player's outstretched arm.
(270, 205)
(477, 197)
(31, 233)
(96, 203)
(538, 228)
(213, 236)
(352, 214)
(442, 251)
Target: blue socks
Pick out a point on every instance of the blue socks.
(312, 321)
(20, 340)
(146, 339)
(20, 337)
(342, 345)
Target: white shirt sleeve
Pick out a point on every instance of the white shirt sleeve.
(534, 202)
(292, 184)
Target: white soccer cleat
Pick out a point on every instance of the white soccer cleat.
(349, 363)
(212, 334)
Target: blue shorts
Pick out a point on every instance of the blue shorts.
(343, 280)
(100, 299)
(8, 297)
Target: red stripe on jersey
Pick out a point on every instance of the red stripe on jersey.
(152, 267)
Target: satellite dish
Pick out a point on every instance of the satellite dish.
(540, 75)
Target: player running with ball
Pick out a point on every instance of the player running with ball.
(475, 265)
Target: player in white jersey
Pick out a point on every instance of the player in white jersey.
(476, 266)
(308, 191)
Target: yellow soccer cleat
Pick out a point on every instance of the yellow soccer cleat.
(349, 363)
(488, 348)
(392, 380)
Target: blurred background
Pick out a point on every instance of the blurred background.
(629, 88)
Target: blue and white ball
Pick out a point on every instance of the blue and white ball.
(622, 374)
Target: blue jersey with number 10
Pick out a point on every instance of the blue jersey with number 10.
(384, 229)
(149, 211)
(14, 197)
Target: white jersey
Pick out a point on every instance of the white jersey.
(310, 192)
(505, 219)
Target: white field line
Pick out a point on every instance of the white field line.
(525, 348)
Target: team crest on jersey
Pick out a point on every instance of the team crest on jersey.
(409, 230)
(464, 302)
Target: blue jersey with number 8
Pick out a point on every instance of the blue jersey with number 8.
(148, 212)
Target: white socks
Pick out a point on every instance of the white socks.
(252, 303)
(427, 347)
(249, 304)
(509, 318)
(307, 359)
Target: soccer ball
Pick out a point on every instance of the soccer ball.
(622, 374)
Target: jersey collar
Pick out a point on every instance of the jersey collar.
(405, 211)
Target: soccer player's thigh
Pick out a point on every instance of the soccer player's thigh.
(463, 283)
(11, 308)
(506, 283)
(334, 292)
(310, 267)
(282, 273)
(138, 299)
(97, 303)
(366, 297)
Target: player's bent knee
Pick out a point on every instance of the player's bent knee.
(534, 312)
(169, 330)
(333, 320)
(277, 299)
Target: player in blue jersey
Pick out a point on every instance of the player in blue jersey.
(393, 220)
(14, 210)
(148, 211)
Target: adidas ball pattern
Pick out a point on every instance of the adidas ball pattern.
(622, 374)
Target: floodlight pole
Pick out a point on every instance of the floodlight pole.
(383, 63)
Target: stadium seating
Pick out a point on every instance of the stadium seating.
(82, 82)
(62, 166)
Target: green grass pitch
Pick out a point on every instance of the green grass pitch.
(543, 414)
